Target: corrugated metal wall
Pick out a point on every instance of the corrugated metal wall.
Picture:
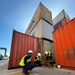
(64, 45)
(21, 44)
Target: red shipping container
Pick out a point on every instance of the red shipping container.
(21, 44)
(64, 45)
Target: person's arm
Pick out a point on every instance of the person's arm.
(35, 58)
(26, 58)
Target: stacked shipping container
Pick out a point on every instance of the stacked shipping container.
(64, 45)
(21, 44)
(41, 13)
(41, 26)
(61, 19)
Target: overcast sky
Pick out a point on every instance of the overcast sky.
(16, 14)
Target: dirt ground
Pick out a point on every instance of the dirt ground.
(36, 71)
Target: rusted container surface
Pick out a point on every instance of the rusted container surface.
(21, 44)
(64, 45)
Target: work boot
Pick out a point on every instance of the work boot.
(26, 72)
(35, 65)
(23, 71)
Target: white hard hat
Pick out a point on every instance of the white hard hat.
(30, 51)
(39, 54)
(46, 52)
(58, 66)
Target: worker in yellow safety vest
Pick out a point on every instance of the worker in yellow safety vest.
(49, 53)
(37, 60)
(25, 62)
(46, 55)
(50, 57)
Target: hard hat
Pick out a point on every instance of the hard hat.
(30, 51)
(39, 54)
(46, 52)
(58, 66)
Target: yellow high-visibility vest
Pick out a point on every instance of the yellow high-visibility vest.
(49, 53)
(38, 58)
(22, 61)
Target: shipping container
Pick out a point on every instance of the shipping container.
(60, 16)
(61, 19)
(41, 13)
(64, 45)
(61, 23)
(21, 44)
(42, 30)
(47, 30)
(45, 44)
(37, 31)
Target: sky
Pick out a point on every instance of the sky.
(16, 14)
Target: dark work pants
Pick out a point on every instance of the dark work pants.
(28, 66)
(37, 63)
(46, 57)
(51, 61)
